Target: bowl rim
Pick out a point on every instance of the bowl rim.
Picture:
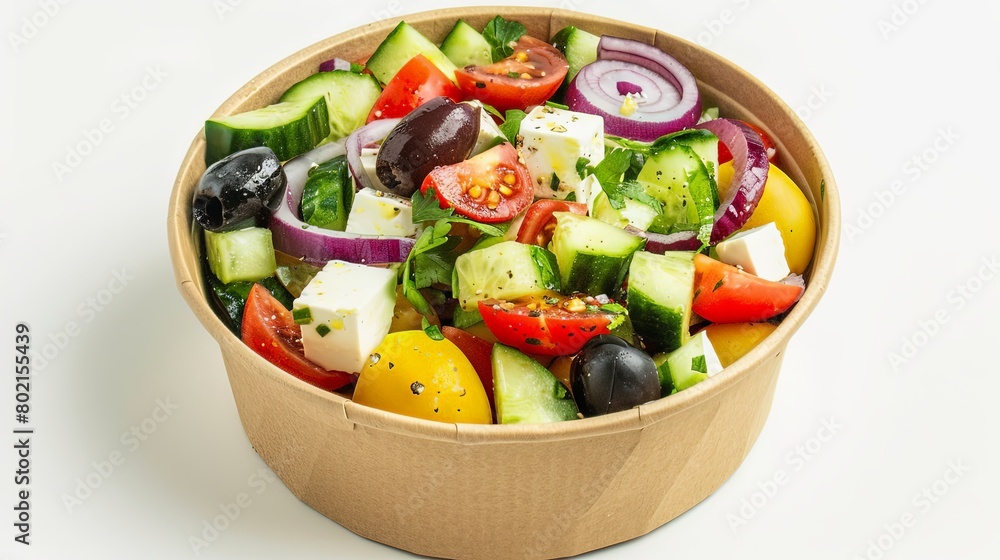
(344, 410)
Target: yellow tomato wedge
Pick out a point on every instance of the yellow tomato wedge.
(785, 205)
(413, 374)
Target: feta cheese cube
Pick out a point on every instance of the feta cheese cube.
(345, 312)
(378, 213)
(713, 364)
(553, 141)
(369, 157)
(489, 133)
(759, 251)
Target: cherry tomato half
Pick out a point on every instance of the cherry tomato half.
(416, 83)
(478, 351)
(538, 223)
(725, 155)
(549, 325)
(268, 328)
(726, 294)
(491, 187)
(528, 77)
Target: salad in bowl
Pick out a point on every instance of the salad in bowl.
(501, 228)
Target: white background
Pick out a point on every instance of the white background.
(875, 96)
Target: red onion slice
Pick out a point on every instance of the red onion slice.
(367, 135)
(315, 245)
(750, 168)
(335, 64)
(664, 93)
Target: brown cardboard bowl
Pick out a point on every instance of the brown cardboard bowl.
(538, 491)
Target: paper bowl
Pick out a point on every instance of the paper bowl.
(537, 491)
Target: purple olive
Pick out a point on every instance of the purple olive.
(439, 132)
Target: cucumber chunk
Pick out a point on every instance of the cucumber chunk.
(240, 255)
(403, 43)
(289, 129)
(506, 270)
(327, 195)
(635, 213)
(593, 256)
(687, 366)
(526, 392)
(349, 98)
(677, 177)
(465, 46)
(579, 47)
(660, 290)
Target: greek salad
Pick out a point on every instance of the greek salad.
(500, 228)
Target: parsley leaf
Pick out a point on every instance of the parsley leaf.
(501, 34)
(434, 266)
(426, 207)
(699, 364)
(614, 308)
(512, 124)
(582, 165)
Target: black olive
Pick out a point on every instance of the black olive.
(239, 190)
(439, 132)
(609, 375)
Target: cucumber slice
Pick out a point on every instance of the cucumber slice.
(593, 256)
(289, 129)
(660, 290)
(687, 366)
(240, 255)
(526, 392)
(677, 177)
(230, 299)
(579, 47)
(506, 270)
(635, 213)
(403, 43)
(349, 98)
(465, 46)
(327, 195)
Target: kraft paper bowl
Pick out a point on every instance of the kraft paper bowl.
(539, 491)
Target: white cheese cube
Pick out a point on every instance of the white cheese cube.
(759, 251)
(553, 141)
(712, 363)
(345, 312)
(489, 133)
(378, 213)
(369, 156)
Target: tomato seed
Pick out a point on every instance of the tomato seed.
(475, 191)
(505, 190)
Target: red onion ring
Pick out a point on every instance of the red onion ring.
(335, 64)
(367, 135)
(669, 92)
(750, 168)
(292, 236)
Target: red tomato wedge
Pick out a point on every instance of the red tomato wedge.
(725, 155)
(491, 187)
(726, 294)
(548, 325)
(478, 352)
(416, 83)
(528, 77)
(538, 223)
(268, 328)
